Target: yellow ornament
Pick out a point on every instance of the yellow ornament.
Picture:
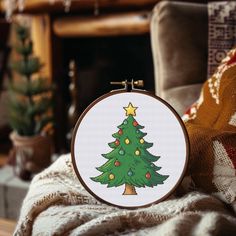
(130, 110)
(111, 176)
(137, 152)
(141, 140)
(127, 141)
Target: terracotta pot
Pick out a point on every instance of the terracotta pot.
(32, 154)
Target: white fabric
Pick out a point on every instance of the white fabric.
(57, 204)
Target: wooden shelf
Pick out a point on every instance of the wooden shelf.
(109, 25)
(44, 6)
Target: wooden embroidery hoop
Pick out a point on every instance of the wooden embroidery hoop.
(126, 89)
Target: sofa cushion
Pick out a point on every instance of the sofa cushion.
(181, 96)
(179, 50)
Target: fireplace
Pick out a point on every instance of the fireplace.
(98, 61)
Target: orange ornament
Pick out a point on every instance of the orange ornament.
(120, 132)
(117, 142)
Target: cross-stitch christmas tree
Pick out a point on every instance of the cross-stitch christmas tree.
(130, 163)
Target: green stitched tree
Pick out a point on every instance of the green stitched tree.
(130, 163)
(30, 105)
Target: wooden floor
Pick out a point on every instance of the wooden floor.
(7, 227)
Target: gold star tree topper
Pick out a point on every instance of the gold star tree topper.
(130, 110)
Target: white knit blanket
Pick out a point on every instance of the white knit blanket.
(57, 204)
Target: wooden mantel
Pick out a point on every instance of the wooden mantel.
(44, 6)
(104, 25)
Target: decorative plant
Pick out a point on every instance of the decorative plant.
(30, 104)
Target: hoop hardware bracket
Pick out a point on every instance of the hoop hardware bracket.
(127, 84)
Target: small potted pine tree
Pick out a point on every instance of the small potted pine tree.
(30, 109)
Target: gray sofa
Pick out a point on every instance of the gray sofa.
(179, 33)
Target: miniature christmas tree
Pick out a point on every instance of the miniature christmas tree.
(30, 94)
(129, 163)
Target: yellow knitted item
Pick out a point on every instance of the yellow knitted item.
(211, 125)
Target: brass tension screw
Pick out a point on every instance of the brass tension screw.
(138, 83)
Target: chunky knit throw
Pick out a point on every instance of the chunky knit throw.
(57, 204)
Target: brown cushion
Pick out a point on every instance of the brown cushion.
(179, 34)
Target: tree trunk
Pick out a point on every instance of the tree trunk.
(129, 190)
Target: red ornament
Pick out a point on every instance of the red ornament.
(135, 123)
(232, 60)
(117, 163)
(120, 132)
(231, 151)
(117, 142)
(148, 175)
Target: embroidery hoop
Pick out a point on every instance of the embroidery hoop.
(75, 161)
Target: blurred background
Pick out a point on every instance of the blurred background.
(56, 57)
